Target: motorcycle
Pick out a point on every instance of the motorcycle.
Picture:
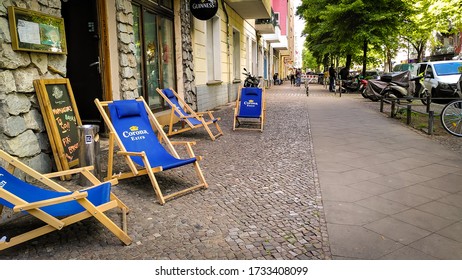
(351, 85)
(250, 80)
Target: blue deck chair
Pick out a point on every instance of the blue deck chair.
(250, 110)
(56, 206)
(141, 141)
(189, 119)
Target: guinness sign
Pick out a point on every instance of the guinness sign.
(203, 9)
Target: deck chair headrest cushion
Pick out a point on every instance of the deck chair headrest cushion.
(168, 92)
(129, 108)
(251, 91)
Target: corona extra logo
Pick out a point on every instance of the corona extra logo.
(135, 133)
(250, 103)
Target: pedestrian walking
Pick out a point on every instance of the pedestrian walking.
(332, 74)
(292, 77)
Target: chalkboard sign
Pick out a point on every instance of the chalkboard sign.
(61, 118)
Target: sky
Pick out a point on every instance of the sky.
(298, 28)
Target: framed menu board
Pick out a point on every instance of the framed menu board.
(36, 32)
(61, 118)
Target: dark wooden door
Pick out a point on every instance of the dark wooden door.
(83, 60)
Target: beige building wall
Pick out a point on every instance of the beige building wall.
(291, 33)
(212, 93)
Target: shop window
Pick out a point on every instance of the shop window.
(154, 46)
(167, 4)
(236, 54)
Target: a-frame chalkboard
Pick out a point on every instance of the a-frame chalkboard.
(61, 118)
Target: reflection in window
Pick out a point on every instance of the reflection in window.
(151, 58)
(167, 3)
(154, 52)
(168, 69)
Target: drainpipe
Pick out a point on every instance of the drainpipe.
(227, 49)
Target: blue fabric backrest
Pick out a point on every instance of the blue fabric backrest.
(251, 102)
(30, 193)
(171, 96)
(137, 135)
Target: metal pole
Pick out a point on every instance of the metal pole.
(430, 122)
(381, 104)
(408, 115)
(428, 103)
(340, 88)
(392, 110)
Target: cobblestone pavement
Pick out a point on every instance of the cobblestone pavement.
(263, 200)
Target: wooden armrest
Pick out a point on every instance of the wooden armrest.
(183, 142)
(137, 154)
(51, 201)
(68, 172)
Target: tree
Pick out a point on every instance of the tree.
(308, 60)
(344, 26)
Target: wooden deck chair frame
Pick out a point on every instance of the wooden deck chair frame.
(149, 170)
(186, 119)
(55, 223)
(262, 117)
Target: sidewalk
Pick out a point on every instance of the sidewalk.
(329, 178)
(388, 191)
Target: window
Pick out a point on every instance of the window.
(154, 52)
(254, 58)
(429, 71)
(276, 18)
(236, 54)
(248, 54)
(167, 3)
(213, 49)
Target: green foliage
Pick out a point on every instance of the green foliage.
(308, 60)
(342, 27)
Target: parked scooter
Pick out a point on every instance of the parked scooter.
(396, 85)
(401, 90)
(250, 80)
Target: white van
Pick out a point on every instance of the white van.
(440, 78)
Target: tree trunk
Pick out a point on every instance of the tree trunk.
(364, 58)
(388, 67)
(348, 61)
(325, 62)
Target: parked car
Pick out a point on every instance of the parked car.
(440, 78)
(406, 67)
(372, 74)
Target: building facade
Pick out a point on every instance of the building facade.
(122, 49)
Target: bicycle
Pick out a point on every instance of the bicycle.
(451, 115)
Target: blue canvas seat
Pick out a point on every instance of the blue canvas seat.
(250, 110)
(57, 206)
(189, 119)
(141, 140)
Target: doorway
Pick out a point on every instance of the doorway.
(84, 68)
